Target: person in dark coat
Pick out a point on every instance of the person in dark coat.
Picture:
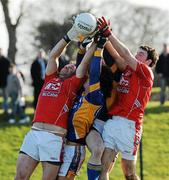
(162, 69)
(4, 72)
(38, 69)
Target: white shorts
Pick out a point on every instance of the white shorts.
(73, 158)
(121, 135)
(43, 146)
(99, 125)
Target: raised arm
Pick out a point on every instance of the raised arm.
(118, 59)
(83, 66)
(82, 50)
(122, 50)
(94, 95)
(54, 55)
(56, 52)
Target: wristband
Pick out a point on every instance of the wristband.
(66, 38)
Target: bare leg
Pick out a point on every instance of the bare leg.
(25, 167)
(50, 171)
(108, 161)
(129, 169)
(74, 156)
(96, 147)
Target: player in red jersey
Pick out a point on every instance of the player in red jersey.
(122, 133)
(44, 142)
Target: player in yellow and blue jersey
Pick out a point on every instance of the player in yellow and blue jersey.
(83, 112)
(94, 139)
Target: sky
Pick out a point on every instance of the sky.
(161, 4)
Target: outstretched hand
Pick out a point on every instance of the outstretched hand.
(100, 40)
(104, 26)
(72, 35)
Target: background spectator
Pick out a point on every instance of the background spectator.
(4, 71)
(162, 69)
(38, 69)
(15, 93)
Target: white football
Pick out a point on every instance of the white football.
(85, 23)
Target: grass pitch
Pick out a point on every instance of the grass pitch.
(155, 145)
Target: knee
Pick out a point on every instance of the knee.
(97, 151)
(131, 177)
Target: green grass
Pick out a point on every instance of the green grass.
(155, 145)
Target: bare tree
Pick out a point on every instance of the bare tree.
(148, 25)
(11, 28)
(48, 33)
(136, 25)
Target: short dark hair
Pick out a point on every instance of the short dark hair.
(152, 54)
(62, 62)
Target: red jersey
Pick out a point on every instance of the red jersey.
(133, 93)
(56, 99)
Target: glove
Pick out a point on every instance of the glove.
(72, 35)
(104, 26)
(100, 40)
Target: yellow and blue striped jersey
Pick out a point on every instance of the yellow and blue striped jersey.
(86, 106)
